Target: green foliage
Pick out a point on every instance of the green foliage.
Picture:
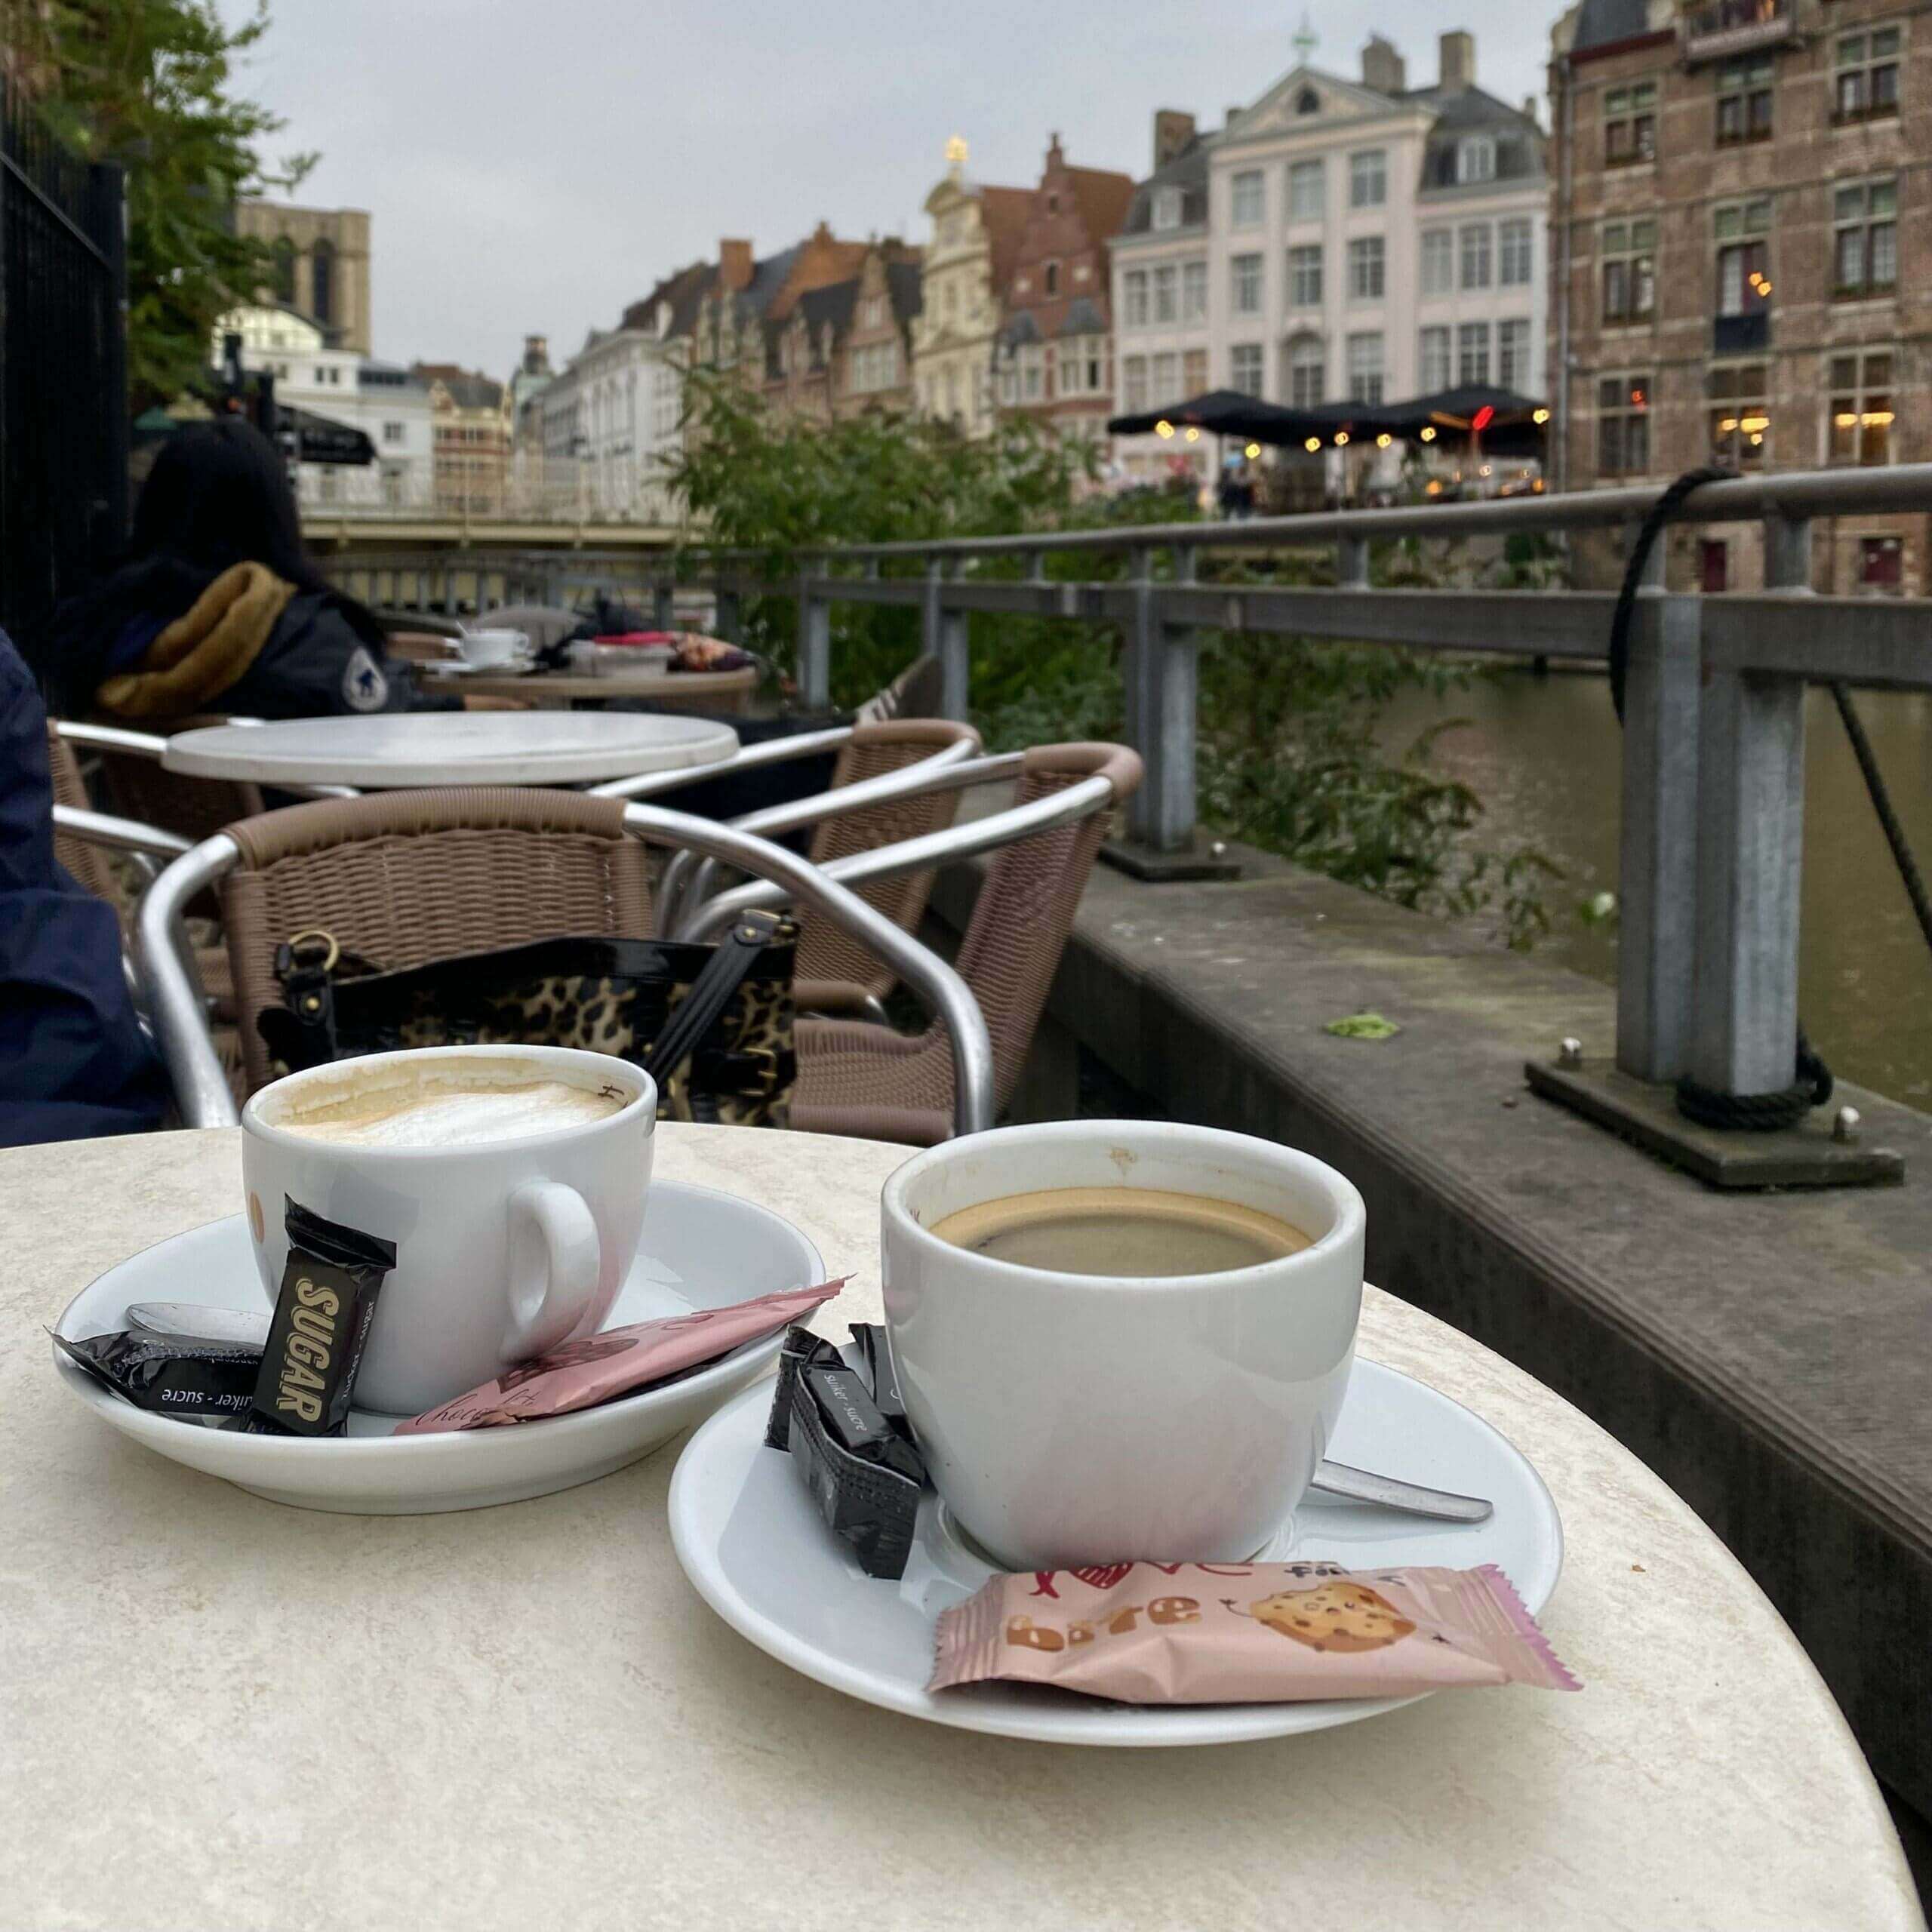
(148, 84)
(1288, 757)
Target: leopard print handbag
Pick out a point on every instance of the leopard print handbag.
(722, 1015)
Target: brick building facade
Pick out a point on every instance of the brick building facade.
(1054, 358)
(1742, 207)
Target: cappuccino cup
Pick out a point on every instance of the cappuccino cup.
(512, 1180)
(494, 649)
(1073, 1417)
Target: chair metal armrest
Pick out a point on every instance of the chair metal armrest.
(953, 768)
(794, 880)
(175, 1002)
(111, 738)
(123, 835)
(750, 758)
(1066, 807)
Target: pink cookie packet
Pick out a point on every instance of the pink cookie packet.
(619, 1361)
(1216, 1633)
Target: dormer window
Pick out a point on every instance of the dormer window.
(1167, 208)
(1475, 158)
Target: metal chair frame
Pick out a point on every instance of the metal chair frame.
(173, 996)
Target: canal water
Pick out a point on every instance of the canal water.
(1542, 754)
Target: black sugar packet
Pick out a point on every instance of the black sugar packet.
(172, 1377)
(321, 1321)
(866, 1476)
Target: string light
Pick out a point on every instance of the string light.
(1341, 439)
(1193, 434)
(1541, 416)
(1164, 428)
(1253, 450)
(1428, 434)
(1313, 445)
(1484, 471)
(1382, 442)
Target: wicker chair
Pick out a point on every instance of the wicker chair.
(138, 786)
(87, 861)
(856, 1077)
(408, 877)
(836, 975)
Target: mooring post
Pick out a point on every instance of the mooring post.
(1750, 856)
(1163, 666)
(944, 635)
(1657, 896)
(814, 643)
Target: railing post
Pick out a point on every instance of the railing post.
(1163, 666)
(1750, 853)
(727, 617)
(664, 604)
(814, 644)
(1352, 563)
(1657, 893)
(944, 635)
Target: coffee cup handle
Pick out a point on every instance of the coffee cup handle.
(555, 1258)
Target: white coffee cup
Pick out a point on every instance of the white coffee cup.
(505, 1248)
(494, 649)
(1069, 1419)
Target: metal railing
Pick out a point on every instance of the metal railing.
(1713, 741)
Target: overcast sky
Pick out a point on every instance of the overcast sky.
(533, 168)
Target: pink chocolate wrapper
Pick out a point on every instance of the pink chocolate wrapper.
(1229, 1633)
(619, 1362)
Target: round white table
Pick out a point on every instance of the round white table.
(216, 1711)
(390, 750)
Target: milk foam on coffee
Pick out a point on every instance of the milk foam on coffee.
(442, 1107)
(1141, 1232)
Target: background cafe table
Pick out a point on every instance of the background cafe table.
(722, 690)
(408, 749)
(217, 1711)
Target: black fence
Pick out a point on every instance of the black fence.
(63, 388)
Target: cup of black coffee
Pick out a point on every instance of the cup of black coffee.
(1121, 1339)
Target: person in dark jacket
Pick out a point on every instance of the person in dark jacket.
(73, 1059)
(217, 606)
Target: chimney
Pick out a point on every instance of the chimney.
(1173, 131)
(1531, 106)
(1382, 67)
(1458, 60)
(734, 265)
(1233, 115)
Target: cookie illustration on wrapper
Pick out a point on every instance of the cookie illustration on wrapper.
(1340, 1615)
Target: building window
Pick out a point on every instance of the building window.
(1477, 243)
(1513, 356)
(1740, 416)
(1865, 241)
(282, 269)
(1365, 368)
(1244, 367)
(1167, 208)
(1133, 286)
(1368, 179)
(393, 433)
(1305, 277)
(1249, 202)
(1246, 285)
(1861, 409)
(321, 282)
(1630, 123)
(1194, 291)
(1433, 363)
(1629, 271)
(1438, 261)
(1307, 191)
(1194, 371)
(1472, 354)
(1366, 267)
(1032, 375)
(1868, 76)
(1515, 245)
(1623, 425)
(1744, 285)
(1475, 158)
(1882, 564)
(1308, 372)
(1166, 298)
(1053, 277)
(1713, 566)
(1167, 379)
(1744, 101)
(1133, 384)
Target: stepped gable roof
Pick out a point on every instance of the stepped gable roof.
(1187, 171)
(902, 284)
(1102, 197)
(1603, 23)
(1003, 214)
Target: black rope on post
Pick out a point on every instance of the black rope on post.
(1754, 1113)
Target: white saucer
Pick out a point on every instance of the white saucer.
(701, 1249)
(753, 1544)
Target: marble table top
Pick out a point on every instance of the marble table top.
(216, 1711)
(393, 749)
